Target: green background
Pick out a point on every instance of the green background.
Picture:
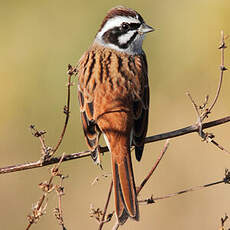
(40, 38)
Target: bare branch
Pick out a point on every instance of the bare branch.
(73, 156)
(186, 130)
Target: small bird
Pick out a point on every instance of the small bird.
(113, 94)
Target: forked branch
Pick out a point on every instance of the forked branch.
(201, 111)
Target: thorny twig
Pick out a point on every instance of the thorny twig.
(58, 212)
(152, 200)
(222, 69)
(208, 137)
(203, 113)
(47, 187)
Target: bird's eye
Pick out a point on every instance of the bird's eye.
(125, 26)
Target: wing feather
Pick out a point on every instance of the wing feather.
(141, 112)
(86, 103)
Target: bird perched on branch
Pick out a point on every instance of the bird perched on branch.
(113, 93)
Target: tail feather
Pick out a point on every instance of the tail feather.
(124, 189)
(121, 212)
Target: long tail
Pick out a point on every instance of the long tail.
(124, 187)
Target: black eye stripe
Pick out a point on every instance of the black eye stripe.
(129, 26)
(134, 26)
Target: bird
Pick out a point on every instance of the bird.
(113, 94)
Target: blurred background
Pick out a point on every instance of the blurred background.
(40, 38)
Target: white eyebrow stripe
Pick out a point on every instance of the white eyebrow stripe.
(116, 22)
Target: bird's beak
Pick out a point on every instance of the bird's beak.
(145, 29)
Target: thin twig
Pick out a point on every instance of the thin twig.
(225, 180)
(71, 72)
(73, 156)
(154, 167)
(222, 69)
(106, 206)
(58, 212)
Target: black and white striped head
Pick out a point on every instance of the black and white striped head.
(123, 29)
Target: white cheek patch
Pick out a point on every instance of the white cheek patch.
(116, 22)
(123, 39)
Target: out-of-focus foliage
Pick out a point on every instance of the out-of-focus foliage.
(37, 41)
